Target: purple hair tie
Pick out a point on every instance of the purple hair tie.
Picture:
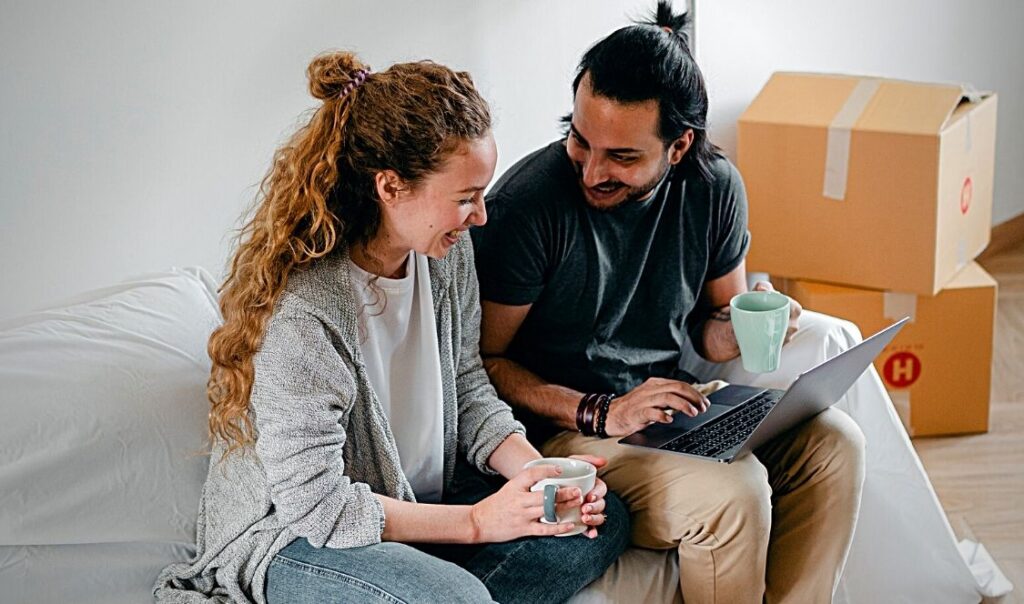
(354, 83)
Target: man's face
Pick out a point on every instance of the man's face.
(616, 149)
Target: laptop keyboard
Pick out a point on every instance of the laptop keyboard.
(725, 431)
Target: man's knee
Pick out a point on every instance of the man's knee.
(728, 503)
(840, 441)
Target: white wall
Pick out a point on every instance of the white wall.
(739, 44)
(133, 134)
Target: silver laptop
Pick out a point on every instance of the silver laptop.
(742, 418)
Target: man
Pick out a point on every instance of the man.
(609, 253)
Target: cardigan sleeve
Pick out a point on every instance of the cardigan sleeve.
(485, 421)
(302, 393)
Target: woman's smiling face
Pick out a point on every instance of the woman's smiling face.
(430, 217)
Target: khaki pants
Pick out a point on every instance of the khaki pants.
(775, 526)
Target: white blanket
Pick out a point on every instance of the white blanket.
(103, 406)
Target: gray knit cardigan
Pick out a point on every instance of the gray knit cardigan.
(324, 445)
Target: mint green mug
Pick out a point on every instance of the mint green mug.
(760, 321)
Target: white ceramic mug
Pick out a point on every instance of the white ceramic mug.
(575, 473)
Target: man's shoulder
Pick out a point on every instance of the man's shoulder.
(722, 169)
(722, 175)
(540, 174)
(722, 186)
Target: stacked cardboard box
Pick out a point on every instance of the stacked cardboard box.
(871, 198)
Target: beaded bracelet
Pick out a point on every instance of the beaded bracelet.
(602, 416)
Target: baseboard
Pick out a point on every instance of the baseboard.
(1005, 236)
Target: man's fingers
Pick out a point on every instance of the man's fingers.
(684, 391)
(683, 405)
(656, 415)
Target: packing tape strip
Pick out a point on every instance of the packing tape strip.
(837, 155)
(896, 306)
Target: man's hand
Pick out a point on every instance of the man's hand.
(794, 309)
(654, 401)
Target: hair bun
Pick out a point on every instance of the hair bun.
(664, 18)
(329, 73)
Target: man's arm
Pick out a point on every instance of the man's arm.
(517, 385)
(520, 387)
(719, 340)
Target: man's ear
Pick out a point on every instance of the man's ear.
(388, 184)
(680, 146)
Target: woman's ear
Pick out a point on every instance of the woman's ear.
(388, 184)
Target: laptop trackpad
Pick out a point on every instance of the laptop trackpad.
(721, 401)
(656, 435)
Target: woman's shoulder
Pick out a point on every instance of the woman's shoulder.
(316, 290)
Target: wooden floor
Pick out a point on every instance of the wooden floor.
(980, 479)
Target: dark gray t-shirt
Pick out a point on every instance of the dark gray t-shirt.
(615, 293)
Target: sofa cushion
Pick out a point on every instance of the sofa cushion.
(103, 401)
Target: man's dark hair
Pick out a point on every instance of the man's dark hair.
(642, 62)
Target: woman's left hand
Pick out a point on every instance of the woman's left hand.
(592, 511)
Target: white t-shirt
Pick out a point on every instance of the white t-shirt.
(398, 338)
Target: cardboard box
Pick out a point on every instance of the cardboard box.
(868, 182)
(938, 370)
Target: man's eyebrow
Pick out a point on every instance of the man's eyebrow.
(621, 150)
(576, 132)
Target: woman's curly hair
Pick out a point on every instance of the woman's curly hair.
(320, 191)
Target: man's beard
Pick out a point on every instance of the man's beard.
(632, 193)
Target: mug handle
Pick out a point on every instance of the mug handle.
(550, 491)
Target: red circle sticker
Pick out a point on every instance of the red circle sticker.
(966, 193)
(902, 369)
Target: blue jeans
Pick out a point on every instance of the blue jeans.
(539, 569)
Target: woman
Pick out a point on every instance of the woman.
(351, 413)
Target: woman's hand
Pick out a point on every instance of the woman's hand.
(514, 511)
(593, 502)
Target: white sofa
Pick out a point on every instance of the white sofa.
(104, 412)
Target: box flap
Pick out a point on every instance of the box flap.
(812, 99)
(910, 107)
(800, 99)
(970, 277)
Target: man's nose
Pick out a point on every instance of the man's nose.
(593, 172)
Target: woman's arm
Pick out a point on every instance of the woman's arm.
(512, 454)
(426, 522)
(301, 391)
(485, 421)
(512, 512)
